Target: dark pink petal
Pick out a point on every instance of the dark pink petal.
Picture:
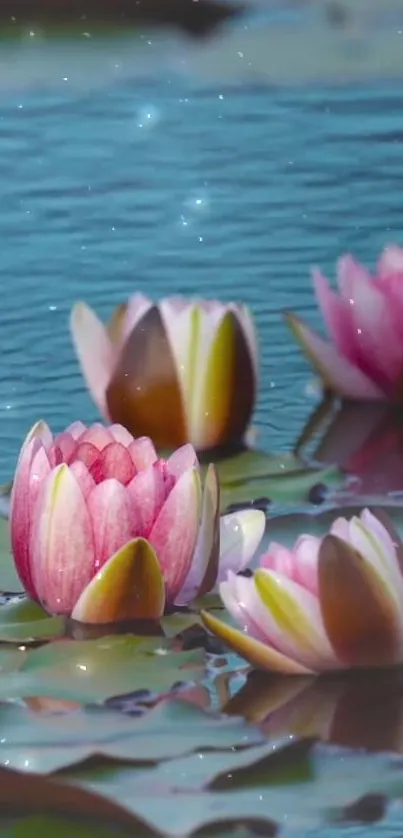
(142, 452)
(337, 373)
(83, 477)
(109, 509)
(67, 445)
(87, 453)
(147, 495)
(97, 435)
(113, 461)
(61, 544)
(175, 531)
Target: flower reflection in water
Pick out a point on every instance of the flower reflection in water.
(356, 710)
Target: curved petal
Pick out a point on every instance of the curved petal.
(20, 515)
(349, 274)
(61, 544)
(255, 652)
(130, 586)
(83, 477)
(360, 617)
(336, 372)
(120, 434)
(375, 546)
(240, 535)
(391, 261)
(239, 597)
(94, 351)
(109, 508)
(137, 307)
(292, 620)
(76, 429)
(204, 568)
(98, 435)
(175, 531)
(183, 458)
(245, 317)
(146, 493)
(64, 448)
(337, 315)
(113, 461)
(144, 378)
(142, 452)
(224, 397)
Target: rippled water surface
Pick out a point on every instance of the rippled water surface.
(173, 182)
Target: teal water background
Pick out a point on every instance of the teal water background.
(170, 183)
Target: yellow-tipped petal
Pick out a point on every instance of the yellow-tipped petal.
(130, 586)
(359, 615)
(255, 652)
(115, 326)
(224, 406)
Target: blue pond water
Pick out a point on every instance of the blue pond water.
(171, 182)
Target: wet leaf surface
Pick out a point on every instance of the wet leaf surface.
(94, 670)
(47, 742)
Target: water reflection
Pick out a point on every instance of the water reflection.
(357, 710)
(364, 439)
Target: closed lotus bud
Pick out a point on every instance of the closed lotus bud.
(178, 371)
(102, 530)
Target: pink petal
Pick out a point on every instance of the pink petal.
(350, 273)
(236, 593)
(94, 350)
(142, 452)
(183, 458)
(113, 461)
(147, 495)
(278, 558)
(175, 531)
(66, 445)
(203, 570)
(40, 470)
(97, 435)
(20, 515)
(87, 453)
(110, 512)
(336, 313)
(83, 477)
(137, 307)
(62, 547)
(336, 371)
(391, 261)
(76, 429)
(121, 434)
(306, 555)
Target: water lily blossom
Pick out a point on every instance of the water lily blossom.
(103, 530)
(364, 320)
(197, 358)
(328, 604)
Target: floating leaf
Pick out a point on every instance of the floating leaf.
(40, 743)
(9, 580)
(93, 670)
(25, 621)
(292, 486)
(308, 784)
(40, 825)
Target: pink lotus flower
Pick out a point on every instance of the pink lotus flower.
(198, 358)
(365, 323)
(327, 604)
(103, 530)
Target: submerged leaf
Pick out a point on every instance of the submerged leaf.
(9, 580)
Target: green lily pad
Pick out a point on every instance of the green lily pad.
(9, 580)
(41, 825)
(94, 670)
(310, 785)
(43, 743)
(24, 621)
(283, 478)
